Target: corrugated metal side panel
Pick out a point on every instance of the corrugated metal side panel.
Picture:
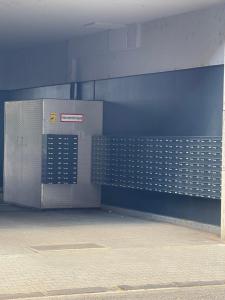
(4, 95)
(23, 144)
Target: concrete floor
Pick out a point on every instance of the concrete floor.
(91, 254)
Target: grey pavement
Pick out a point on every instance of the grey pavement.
(195, 293)
(92, 254)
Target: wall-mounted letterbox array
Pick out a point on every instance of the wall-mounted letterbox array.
(179, 165)
(59, 159)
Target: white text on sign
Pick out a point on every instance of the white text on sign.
(74, 118)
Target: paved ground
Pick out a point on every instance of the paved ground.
(67, 254)
(195, 293)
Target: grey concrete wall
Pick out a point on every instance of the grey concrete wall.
(190, 40)
(179, 42)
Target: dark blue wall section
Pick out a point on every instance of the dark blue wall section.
(57, 91)
(178, 103)
(86, 90)
(177, 206)
(183, 103)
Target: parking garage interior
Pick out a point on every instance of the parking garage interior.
(135, 89)
(195, 116)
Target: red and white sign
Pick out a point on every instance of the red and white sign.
(74, 118)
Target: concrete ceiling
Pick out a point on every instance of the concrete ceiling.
(40, 21)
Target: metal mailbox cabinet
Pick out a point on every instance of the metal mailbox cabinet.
(47, 153)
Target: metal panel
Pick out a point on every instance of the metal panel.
(22, 155)
(26, 122)
(177, 165)
(57, 91)
(84, 193)
(3, 97)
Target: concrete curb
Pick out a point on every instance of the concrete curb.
(159, 218)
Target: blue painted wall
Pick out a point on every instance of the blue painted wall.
(177, 206)
(57, 91)
(182, 103)
(187, 102)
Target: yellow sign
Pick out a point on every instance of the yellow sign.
(53, 117)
